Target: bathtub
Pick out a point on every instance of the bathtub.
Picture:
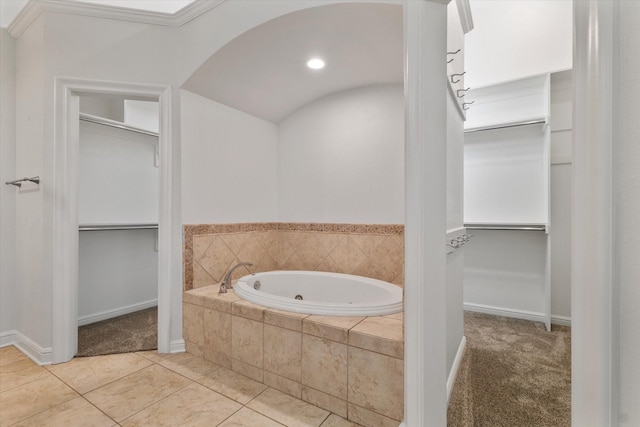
(315, 292)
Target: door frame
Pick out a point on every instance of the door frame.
(65, 212)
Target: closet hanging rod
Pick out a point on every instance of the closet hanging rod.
(115, 124)
(518, 227)
(102, 227)
(508, 125)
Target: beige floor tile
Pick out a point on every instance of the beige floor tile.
(153, 355)
(126, 396)
(336, 421)
(30, 399)
(88, 373)
(188, 365)
(19, 373)
(288, 410)
(74, 413)
(246, 417)
(11, 354)
(194, 406)
(233, 385)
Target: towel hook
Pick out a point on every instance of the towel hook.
(465, 105)
(457, 75)
(18, 182)
(452, 53)
(462, 90)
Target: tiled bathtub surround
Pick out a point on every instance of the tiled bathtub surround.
(351, 366)
(375, 251)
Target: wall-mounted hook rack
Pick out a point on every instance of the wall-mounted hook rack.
(458, 241)
(18, 182)
(463, 92)
(457, 75)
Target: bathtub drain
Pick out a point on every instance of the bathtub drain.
(299, 297)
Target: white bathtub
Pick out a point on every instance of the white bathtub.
(329, 294)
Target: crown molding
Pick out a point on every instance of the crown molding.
(464, 10)
(35, 7)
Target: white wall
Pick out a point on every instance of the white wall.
(107, 50)
(513, 39)
(117, 273)
(341, 159)
(142, 114)
(103, 106)
(627, 211)
(33, 313)
(118, 179)
(561, 161)
(7, 173)
(229, 164)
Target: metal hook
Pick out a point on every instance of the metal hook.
(464, 105)
(453, 53)
(18, 182)
(462, 90)
(460, 75)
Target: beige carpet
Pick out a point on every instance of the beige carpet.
(514, 374)
(132, 332)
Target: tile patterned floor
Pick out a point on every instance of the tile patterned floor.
(144, 389)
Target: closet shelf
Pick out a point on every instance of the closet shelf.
(505, 226)
(504, 125)
(102, 227)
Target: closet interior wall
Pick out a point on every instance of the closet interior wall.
(118, 210)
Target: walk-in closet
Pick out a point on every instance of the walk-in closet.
(118, 223)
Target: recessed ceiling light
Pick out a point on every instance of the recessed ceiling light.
(315, 63)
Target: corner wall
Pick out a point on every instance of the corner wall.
(341, 159)
(626, 213)
(7, 173)
(228, 164)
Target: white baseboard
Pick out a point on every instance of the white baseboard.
(453, 374)
(516, 314)
(104, 315)
(40, 355)
(177, 346)
(561, 320)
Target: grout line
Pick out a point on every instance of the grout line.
(157, 401)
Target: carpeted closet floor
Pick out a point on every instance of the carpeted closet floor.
(132, 332)
(514, 373)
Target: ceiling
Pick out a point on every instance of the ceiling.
(263, 71)
(9, 9)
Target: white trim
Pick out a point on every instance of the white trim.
(33, 9)
(65, 215)
(177, 346)
(565, 159)
(41, 356)
(561, 320)
(464, 10)
(455, 368)
(506, 312)
(425, 370)
(594, 365)
(516, 314)
(121, 311)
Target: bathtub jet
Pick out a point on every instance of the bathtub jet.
(323, 293)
